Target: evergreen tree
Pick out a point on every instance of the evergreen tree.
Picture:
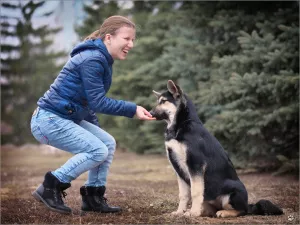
(96, 13)
(238, 61)
(132, 80)
(124, 82)
(258, 88)
(30, 67)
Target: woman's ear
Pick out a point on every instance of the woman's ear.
(107, 38)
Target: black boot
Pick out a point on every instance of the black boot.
(93, 200)
(50, 192)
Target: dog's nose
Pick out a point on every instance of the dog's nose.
(152, 113)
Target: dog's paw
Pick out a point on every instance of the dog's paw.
(192, 213)
(221, 213)
(227, 213)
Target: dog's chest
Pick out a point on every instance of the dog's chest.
(177, 154)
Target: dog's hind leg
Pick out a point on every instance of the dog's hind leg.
(232, 205)
(197, 191)
(235, 201)
(184, 196)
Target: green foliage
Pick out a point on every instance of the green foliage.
(260, 94)
(238, 61)
(95, 18)
(30, 67)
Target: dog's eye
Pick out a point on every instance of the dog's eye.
(162, 101)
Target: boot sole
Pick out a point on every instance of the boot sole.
(39, 198)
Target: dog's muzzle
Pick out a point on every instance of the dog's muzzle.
(158, 115)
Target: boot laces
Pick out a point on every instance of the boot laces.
(102, 200)
(58, 195)
(64, 194)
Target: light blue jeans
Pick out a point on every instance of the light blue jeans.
(93, 148)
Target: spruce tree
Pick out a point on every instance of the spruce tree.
(30, 67)
(124, 82)
(132, 78)
(96, 13)
(259, 91)
(238, 61)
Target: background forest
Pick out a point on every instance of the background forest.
(238, 62)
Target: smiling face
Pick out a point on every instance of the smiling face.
(120, 43)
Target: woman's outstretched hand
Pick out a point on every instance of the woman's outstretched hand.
(143, 114)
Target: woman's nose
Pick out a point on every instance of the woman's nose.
(130, 44)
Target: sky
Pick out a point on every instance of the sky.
(66, 14)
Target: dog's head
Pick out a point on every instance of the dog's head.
(167, 102)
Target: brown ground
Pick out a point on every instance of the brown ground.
(144, 186)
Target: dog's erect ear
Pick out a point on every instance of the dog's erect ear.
(157, 94)
(174, 89)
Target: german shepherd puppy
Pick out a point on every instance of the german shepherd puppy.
(205, 174)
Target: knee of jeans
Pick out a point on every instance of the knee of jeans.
(111, 145)
(100, 154)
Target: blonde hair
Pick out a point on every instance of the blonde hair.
(110, 26)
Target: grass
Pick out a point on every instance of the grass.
(144, 186)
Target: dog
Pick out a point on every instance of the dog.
(205, 174)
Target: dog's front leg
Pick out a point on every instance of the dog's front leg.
(184, 197)
(197, 191)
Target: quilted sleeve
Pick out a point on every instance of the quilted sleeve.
(92, 72)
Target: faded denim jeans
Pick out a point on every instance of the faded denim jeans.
(93, 148)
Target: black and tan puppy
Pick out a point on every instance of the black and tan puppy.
(205, 174)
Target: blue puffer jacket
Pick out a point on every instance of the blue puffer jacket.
(80, 88)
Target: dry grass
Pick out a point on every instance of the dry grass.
(144, 186)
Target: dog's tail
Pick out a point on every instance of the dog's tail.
(264, 207)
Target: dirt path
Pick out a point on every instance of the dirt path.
(144, 186)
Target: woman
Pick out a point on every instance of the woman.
(65, 117)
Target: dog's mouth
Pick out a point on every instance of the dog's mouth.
(159, 115)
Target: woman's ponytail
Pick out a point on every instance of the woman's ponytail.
(110, 26)
(93, 35)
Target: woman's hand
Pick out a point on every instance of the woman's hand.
(143, 114)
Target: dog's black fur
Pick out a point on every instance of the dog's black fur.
(204, 157)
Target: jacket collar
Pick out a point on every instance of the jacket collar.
(99, 43)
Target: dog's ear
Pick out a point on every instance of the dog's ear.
(157, 94)
(174, 89)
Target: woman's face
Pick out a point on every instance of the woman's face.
(119, 44)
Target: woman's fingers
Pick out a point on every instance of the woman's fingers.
(143, 114)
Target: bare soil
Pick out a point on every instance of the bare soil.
(144, 186)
